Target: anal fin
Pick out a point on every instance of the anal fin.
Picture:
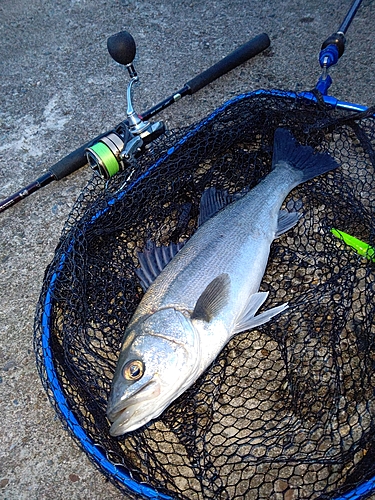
(248, 320)
(286, 221)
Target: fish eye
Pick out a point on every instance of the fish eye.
(133, 370)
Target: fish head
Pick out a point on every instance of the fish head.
(158, 357)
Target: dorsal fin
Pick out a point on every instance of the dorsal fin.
(212, 201)
(153, 260)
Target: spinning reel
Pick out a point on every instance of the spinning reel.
(114, 151)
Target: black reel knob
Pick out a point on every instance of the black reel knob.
(121, 47)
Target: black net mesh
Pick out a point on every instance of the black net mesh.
(287, 410)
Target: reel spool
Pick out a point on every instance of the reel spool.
(104, 156)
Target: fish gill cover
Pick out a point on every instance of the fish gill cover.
(286, 410)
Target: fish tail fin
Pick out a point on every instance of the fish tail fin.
(301, 158)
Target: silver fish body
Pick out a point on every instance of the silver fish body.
(201, 295)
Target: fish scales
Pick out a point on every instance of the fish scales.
(208, 292)
(230, 242)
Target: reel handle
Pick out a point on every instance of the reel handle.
(121, 48)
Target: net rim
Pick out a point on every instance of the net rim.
(93, 450)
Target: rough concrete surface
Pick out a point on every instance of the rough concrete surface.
(60, 88)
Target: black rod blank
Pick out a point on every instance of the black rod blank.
(231, 61)
(77, 159)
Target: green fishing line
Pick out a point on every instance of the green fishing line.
(107, 157)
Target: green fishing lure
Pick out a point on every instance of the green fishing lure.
(362, 248)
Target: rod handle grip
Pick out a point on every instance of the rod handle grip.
(74, 160)
(69, 164)
(231, 61)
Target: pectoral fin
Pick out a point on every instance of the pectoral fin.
(214, 297)
(248, 320)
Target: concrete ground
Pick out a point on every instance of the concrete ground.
(60, 88)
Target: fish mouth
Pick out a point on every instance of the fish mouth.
(132, 412)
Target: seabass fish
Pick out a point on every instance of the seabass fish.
(198, 297)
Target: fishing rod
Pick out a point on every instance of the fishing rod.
(112, 151)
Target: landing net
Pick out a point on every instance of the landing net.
(287, 411)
